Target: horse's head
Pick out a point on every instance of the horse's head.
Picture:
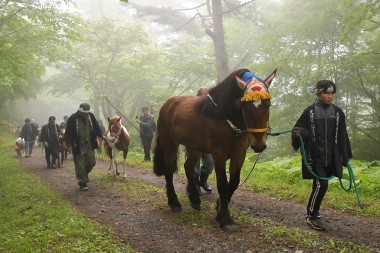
(114, 128)
(255, 105)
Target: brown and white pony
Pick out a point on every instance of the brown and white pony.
(116, 139)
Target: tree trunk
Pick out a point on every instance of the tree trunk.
(218, 40)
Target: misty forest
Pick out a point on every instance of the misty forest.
(128, 57)
(120, 56)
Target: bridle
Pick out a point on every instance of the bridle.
(238, 130)
(117, 135)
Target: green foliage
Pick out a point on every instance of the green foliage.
(282, 177)
(30, 34)
(312, 40)
(34, 219)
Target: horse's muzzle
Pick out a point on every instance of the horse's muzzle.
(258, 149)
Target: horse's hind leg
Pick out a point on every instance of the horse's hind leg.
(173, 201)
(171, 165)
(192, 189)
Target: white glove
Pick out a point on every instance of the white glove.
(46, 144)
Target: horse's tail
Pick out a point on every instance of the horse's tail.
(107, 150)
(158, 159)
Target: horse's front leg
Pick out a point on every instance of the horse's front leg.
(192, 189)
(236, 162)
(116, 161)
(223, 216)
(125, 165)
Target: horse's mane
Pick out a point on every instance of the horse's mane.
(224, 95)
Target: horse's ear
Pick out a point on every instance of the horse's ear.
(270, 78)
(119, 119)
(242, 84)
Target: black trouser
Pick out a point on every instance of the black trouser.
(318, 191)
(147, 142)
(207, 165)
(54, 153)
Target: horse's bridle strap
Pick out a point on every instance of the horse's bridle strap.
(257, 130)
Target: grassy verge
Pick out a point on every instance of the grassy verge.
(35, 219)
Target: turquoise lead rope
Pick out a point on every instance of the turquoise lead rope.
(350, 171)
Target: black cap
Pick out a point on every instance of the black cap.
(51, 118)
(84, 107)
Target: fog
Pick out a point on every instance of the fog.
(46, 103)
(128, 55)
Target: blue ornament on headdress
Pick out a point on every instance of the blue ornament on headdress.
(248, 76)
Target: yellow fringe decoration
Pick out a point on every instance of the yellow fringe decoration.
(256, 95)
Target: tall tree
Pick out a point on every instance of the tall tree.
(210, 14)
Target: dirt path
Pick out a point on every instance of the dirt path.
(149, 229)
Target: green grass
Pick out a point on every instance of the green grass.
(35, 219)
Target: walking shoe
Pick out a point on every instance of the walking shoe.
(315, 222)
(83, 187)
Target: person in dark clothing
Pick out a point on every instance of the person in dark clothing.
(323, 129)
(202, 172)
(147, 130)
(29, 132)
(81, 137)
(49, 136)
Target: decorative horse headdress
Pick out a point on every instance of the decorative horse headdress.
(254, 87)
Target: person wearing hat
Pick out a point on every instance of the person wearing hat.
(82, 131)
(323, 129)
(49, 138)
(29, 132)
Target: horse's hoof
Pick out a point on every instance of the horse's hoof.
(230, 228)
(117, 173)
(196, 206)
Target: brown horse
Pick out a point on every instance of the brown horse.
(231, 118)
(116, 139)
